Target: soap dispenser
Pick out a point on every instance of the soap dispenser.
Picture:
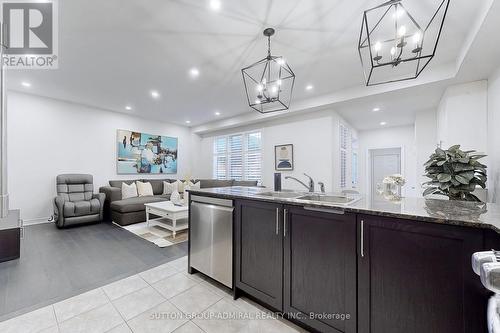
(277, 182)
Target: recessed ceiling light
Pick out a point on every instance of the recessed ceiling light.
(155, 94)
(217, 113)
(309, 87)
(128, 108)
(194, 72)
(26, 84)
(215, 5)
(383, 123)
(376, 109)
(188, 121)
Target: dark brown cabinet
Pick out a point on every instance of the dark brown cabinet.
(299, 261)
(416, 277)
(259, 251)
(345, 272)
(10, 240)
(320, 269)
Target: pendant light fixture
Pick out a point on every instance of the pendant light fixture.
(269, 82)
(394, 45)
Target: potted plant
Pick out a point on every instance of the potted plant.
(455, 173)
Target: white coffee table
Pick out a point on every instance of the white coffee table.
(169, 215)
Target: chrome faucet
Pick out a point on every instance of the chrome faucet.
(322, 187)
(310, 187)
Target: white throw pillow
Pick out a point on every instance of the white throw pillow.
(193, 186)
(189, 186)
(129, 191)
(180, 186)
(144, 189)
(169, 188)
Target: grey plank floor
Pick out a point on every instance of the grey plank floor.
(57, 264)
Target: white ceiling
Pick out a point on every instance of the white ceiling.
(114, 52)
(396, 108)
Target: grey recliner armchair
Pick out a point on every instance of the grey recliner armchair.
(76, 202)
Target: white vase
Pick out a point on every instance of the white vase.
(175, 197)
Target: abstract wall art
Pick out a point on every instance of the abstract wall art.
(145, 153)
(283, 157)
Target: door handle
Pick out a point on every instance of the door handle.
(362, 236)
(277, 221)
(285, 212)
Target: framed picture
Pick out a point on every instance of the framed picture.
(283, 157)
(145, 153)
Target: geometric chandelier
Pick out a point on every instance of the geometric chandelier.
(396, 46)
(269, 82)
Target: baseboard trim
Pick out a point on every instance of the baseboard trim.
(40, 220)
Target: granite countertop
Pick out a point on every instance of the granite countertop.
(462, 213)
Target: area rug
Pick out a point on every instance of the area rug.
(156, 234)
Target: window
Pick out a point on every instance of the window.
(344, 135)
(220, 158)
(253, 162)
(354, 170)
(348, 155)
(238, 156)
(354, 161)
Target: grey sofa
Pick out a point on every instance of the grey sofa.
(132, 210)
(76, 202)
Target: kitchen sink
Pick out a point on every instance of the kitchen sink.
(335, 199)
(284, 194)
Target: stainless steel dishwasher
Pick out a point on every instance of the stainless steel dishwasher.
(211, 242)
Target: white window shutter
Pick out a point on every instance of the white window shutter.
(253, 162)
(238, 156)
(344, 136)
(220, 158)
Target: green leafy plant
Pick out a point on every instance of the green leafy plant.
(455, 173)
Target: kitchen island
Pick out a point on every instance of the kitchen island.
(400, 265)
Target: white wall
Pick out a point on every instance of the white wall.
(390, 137)
(463, 116)
(494, 137)
(47, 137)
(426, 143)
(463, 119)
(315, 140)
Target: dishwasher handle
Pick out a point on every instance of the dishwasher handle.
(213, 206)
(212, 200)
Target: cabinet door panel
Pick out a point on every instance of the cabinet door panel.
(259, 251)
(416, 277)
(320, 269)
(10, 244)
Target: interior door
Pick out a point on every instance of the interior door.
(384, 162)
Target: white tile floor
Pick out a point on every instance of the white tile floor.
(163, 299)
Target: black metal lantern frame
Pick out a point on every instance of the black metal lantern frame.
(411, 45)
(269, 82)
